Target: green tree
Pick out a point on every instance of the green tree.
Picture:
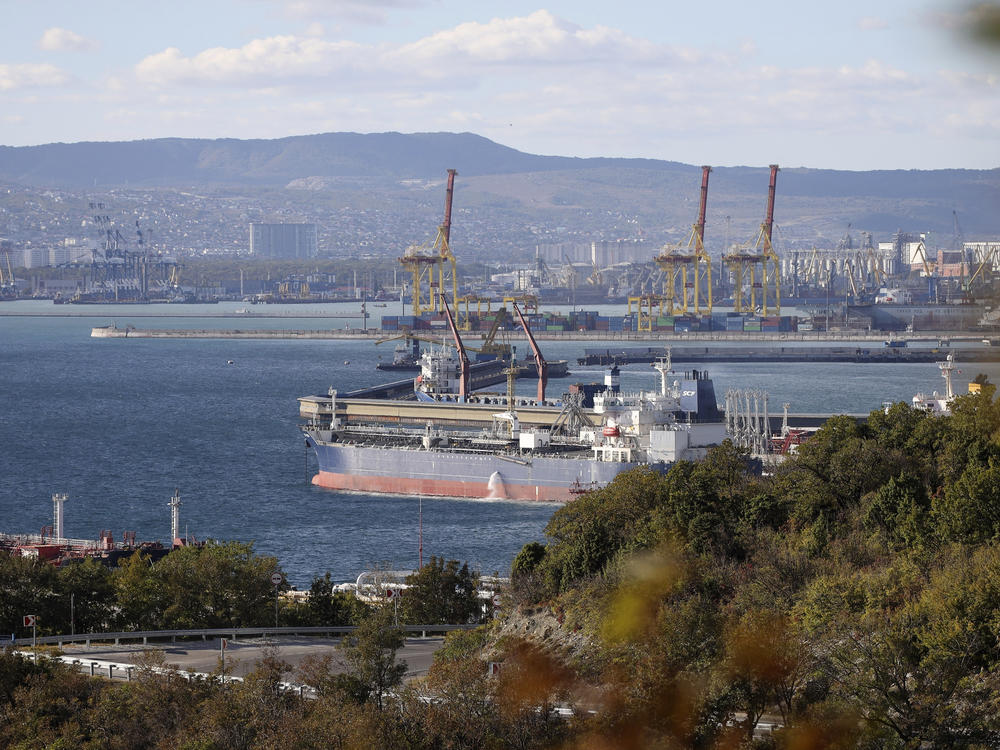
(139, 594)
(87, 595)
(29, 587)
(370, 653)
(442, 593)
(898, 512)
(328, 607)
(588, 533)
(219, 584)
(969, 509)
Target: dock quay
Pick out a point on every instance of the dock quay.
(675, 340)
(778, 352)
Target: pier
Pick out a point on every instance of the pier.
(777, 351)
(873, 340)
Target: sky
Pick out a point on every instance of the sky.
(851, 84)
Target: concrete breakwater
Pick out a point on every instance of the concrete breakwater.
(874, 339)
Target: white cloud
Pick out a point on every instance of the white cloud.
(369, 12)
(500, 45)
(872, 23)
(537, 38)
(27, 76)
(64, 40)
(541, 83)
(259, 63)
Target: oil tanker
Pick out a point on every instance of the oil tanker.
(530, 450)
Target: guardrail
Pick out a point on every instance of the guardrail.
(205, 633)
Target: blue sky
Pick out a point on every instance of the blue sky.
(845, 85)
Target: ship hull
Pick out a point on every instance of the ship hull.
(443, 473)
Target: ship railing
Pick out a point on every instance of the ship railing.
(39, 539)
(205, 634)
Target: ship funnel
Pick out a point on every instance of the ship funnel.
(495, 487)
(612, 381)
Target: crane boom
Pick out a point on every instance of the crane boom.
(449, 193)
(540, 364)
(463, 387)
(700, 226)
(769, 221)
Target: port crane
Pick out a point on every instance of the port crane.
(8, 285)
(743, 265)
(464, 388)
(489, 344)
(430, 263)
(691, 269)
(540, 363)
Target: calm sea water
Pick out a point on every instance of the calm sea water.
(118, 424)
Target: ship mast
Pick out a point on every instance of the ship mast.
(175, 517)
(58, 514)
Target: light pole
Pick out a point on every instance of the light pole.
(276, 580)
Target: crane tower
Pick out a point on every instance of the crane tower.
(758, 270)
(434, 263)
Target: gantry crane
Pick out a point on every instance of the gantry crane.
(744, 265)
(692, 267)
(433, 263)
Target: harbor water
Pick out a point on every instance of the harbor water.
(119, 424)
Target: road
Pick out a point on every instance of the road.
(243, 655)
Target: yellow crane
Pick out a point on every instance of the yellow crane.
(429, 262)
(744, 265)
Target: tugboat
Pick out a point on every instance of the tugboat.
(406, 358)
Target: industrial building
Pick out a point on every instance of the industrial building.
(283, 240)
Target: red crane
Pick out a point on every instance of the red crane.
(449, 192)
(769, 221)
(540, 364)
(463, 388)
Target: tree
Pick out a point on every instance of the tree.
(87, 596)
(219, 584)
(139, 594)
(589, 532)
(370, 653)
(442, 593)
(28, 587)
(327, 607)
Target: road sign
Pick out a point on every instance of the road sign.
(276, 579)
(29, 621)
(496, 600)
(390, 593)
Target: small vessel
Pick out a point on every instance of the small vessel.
(938, 403)
(404, 357)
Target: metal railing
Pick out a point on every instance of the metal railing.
(205, 633)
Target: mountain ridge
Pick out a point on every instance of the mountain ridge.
(538, 189)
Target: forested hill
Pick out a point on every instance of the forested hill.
(852, 595)
(822, 199)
